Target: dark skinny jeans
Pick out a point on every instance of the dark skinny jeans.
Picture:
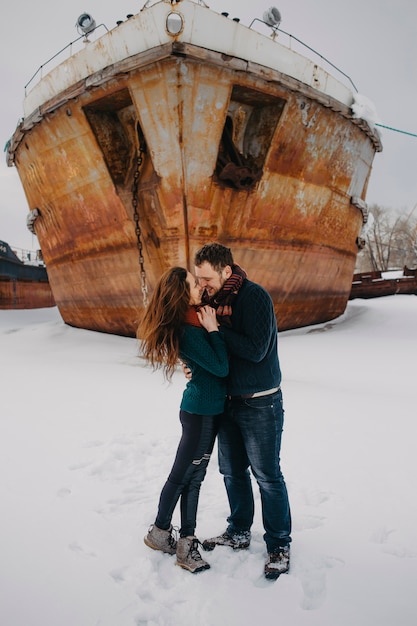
(188, 472)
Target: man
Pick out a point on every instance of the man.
(250, 433)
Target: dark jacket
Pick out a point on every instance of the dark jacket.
(252, 342)
(206, 356)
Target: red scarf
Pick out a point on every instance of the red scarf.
(223, 300)
(191, 317)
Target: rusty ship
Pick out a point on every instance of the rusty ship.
(24, 280)
(181, 126)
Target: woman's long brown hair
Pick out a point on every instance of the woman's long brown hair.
(159, 330)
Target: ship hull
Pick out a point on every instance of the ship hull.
(136, 167)
(22, 286)
(25, 294)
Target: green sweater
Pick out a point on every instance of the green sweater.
(206, 356)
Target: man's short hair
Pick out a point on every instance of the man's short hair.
(214, 253)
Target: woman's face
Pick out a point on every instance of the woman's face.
(195, 289)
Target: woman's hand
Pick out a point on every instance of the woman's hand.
(208, 319)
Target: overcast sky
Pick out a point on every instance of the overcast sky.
(372, 41)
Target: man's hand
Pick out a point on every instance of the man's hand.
(187, 371)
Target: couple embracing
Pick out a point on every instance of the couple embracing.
(228, 343)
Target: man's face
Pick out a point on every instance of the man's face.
(209, 279)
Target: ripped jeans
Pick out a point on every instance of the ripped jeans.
(188, 472)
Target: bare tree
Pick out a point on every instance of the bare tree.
(390, 241)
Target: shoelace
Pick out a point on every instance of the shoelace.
(172, 541)
(279, 559)
(194, 551)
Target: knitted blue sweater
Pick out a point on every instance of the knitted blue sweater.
(252, 342)
(206, 356)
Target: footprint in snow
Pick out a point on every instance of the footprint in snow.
(382, 536)
(314, 582)
(309, 522)
(82, 552)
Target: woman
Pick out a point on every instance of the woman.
(174, 327)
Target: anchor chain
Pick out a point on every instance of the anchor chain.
(135, 203)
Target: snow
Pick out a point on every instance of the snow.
(363, 108)
(88, 435)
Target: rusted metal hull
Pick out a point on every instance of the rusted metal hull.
(25, 294)
(189, 112)
(22, 286)
(375, 285)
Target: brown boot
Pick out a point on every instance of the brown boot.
(159, 539)
(278, 563)
(188, 555)
(238, 541)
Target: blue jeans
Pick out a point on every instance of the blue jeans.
(250, 436)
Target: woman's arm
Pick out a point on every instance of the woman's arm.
(208, 350)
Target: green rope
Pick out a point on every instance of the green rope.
(397, 130)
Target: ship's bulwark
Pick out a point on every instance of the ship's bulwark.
(284, 208)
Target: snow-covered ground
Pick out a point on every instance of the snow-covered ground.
(88, 435)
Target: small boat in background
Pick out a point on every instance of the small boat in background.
(181, 126)
(375, 284)
(23, 280)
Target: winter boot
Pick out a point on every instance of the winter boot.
(238, 540)
(159, 539)
(278, 563)
(188, 555)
